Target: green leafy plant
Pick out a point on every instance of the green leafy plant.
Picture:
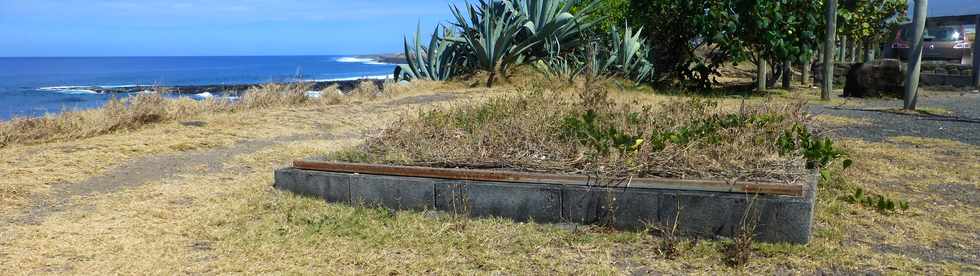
(819, 152)
(682, 30)
(708, 128)
(589, 130)
(613, 13)
(880, 203)
(439, 60)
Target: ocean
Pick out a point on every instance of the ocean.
(31, 87)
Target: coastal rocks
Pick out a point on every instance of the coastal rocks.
(207, 91)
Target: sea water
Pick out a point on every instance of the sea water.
(31, 87)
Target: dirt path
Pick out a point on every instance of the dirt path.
(136, 172)
(152, 168)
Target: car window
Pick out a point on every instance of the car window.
(971, 32)
(943, 33)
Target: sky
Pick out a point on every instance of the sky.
(41, 28)
(229, 27)
(951, 7)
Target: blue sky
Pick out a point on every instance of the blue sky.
(228, 27)
(211, 27)
(951, 7)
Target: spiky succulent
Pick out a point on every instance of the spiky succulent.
(629, 55)
(439, 60)
(561, 67)
(550, 22)
(490, 30)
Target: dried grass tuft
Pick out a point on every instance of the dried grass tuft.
(530, 132)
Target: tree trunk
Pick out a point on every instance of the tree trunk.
(869, 51)
(787, 74)
(493, 75)
(819, 53)
(805, 72)
(976, 57)
(828, 48)
(915, 61)
(853, 46)
(761, 74)
(843, 50)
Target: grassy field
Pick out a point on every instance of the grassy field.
(215, 211)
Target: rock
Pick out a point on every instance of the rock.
(876, 79)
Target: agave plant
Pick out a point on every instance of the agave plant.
(551, 22)
(629, 55)
(436, 61)
(561, 67)
(490, 31)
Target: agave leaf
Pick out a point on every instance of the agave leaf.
(551, 21)
(435, 61)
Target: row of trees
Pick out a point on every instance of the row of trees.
(688, 39)
(781, 32)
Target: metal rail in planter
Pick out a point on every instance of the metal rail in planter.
(523, 177)
(783, 212)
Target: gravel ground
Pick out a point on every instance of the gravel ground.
(963, 124)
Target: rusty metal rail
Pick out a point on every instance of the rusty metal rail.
(580, 180)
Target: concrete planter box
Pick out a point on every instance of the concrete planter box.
(705, 208)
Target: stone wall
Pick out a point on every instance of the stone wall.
(697, 213)
(933, 74)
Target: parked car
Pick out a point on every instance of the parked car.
(951, 43)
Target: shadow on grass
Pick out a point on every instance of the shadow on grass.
(723, 91)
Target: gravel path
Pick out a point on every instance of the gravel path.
(962, 125)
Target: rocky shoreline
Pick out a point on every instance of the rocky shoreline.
(387, 58)
(343, 85)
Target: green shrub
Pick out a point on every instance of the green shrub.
(819, 152)
(880, 203)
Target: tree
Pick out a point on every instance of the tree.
(868, 21)
(915, 61)
(687, 37)
(771, 32)
(828, 48)
(611, 13)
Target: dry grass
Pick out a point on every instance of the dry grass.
(77, 145)
(544, 130)
(144, 109)
(233, 222)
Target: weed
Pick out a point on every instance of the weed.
(459, 202)
(819, 152)
(882, 204)
(669, 238)
(739, 251)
